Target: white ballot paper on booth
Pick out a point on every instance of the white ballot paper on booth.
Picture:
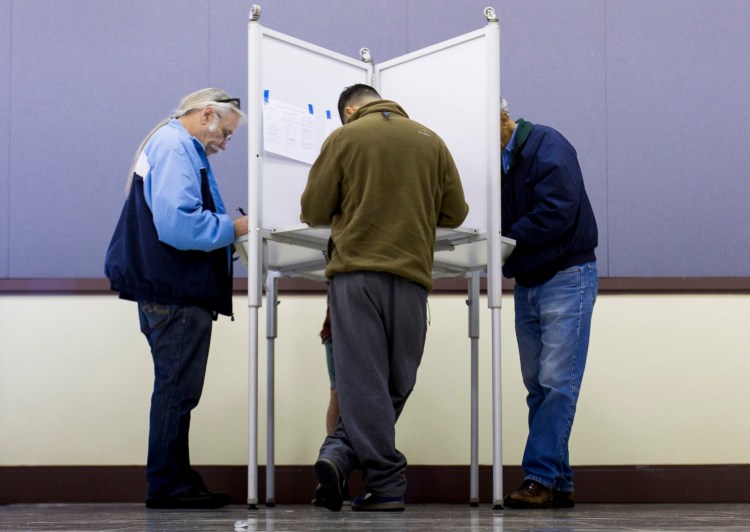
(290, 131)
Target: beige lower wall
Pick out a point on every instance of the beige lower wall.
(665, 384)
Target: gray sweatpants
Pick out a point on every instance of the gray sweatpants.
(379, 324)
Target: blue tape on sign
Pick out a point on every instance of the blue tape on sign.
(310, 108)
(265, 96)
(328, 114)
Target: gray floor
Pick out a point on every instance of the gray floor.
(421, 517)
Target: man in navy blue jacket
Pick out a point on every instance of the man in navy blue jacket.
(546, 210)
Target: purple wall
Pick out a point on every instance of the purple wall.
(650, 93)
(5, 26)
(678, 73)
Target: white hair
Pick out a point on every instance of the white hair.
(199, 100)
(195, 101)
(503, 105)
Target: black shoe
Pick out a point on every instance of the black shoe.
(563, 499)
(375, 503)
(331, 492)
(190, 499)
(344, 496)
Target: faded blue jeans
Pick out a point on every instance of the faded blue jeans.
(179, 337)
(553, 323)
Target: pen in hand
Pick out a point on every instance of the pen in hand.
(241, 224)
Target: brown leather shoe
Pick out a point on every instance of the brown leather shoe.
(530, 495)
(563, 499)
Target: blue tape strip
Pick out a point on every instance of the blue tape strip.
(265, 96)
(310, 108)
(328, 114)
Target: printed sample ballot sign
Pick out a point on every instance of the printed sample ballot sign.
(289, 131)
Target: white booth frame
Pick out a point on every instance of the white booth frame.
(296, 250)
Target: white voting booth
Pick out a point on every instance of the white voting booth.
(453, 88)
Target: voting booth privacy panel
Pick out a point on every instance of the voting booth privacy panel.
(452, 88)
(294, 86)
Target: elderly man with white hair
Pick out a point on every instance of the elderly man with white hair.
(171, 252)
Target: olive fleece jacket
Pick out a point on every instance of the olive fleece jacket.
(384, 183)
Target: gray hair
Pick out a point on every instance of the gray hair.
(203, 98)
(503, 105)
(195, 101)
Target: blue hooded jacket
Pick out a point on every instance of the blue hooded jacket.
(172, 243)
(142, 268)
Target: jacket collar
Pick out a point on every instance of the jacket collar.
(521, 134)
(386, 107)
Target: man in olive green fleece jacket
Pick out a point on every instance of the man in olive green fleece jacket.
(383, 183)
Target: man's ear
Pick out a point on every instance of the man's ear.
(207, 115)
(349, 111)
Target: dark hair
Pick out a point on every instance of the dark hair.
(353, 95)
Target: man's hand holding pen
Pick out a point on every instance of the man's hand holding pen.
(241, 224)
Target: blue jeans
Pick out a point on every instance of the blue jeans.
(179, 337)
(553, 323)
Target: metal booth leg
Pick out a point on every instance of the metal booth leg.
(271, 329)
(252, 421)
(473, 303)
(497, 415)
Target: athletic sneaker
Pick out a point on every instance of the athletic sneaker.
(345, 495)
(331, 492)
(375, 503)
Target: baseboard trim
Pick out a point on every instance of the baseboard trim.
(427, 484)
